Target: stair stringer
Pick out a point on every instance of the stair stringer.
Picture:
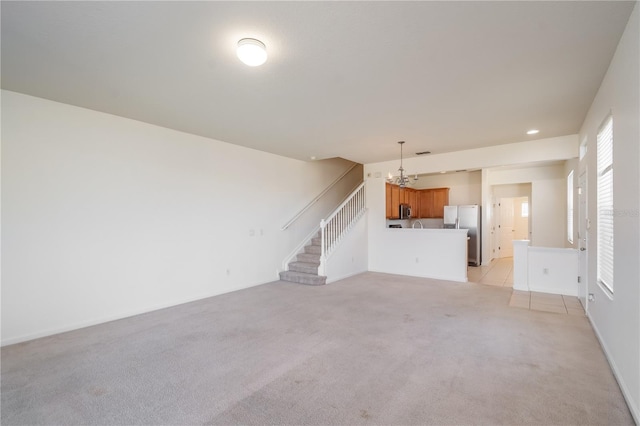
(304, 270)
(299, 248)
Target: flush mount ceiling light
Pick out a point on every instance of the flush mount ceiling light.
(252, 52)
(401, 180)
(533, 131)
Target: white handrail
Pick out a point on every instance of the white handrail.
(337, 210)
(312, 202)
(335, 227)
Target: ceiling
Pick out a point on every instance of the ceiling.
(343, 79)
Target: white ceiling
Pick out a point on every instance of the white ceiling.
(345, 79)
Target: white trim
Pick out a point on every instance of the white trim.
(443, 278)
(345, 276)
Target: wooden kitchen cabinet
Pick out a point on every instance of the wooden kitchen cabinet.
(425, 203)
(440, 199)
(407, 195)
(395, 202)
(394, 196)
(388, 209)
(431, 203)
(415, 209)
(412, 201)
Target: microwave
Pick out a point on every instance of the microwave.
(405, 211)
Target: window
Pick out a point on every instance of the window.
(583, 148)
(524, 209)
(605, 203)
(570, 207)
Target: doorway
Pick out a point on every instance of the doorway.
(512, 223)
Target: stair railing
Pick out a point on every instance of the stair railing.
(336, 226)
(315, 200)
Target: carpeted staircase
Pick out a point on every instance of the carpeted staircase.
(304, 270)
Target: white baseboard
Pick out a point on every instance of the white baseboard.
(342, 277)
(633, 407)
(433, 277)
(566, 291)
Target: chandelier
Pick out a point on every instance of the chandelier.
(402, 180)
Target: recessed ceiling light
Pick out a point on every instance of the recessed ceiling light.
(313, 157)
(252, 52)
(533, 131)
(443, 172)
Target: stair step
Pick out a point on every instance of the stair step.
(312, 249)
(316, 241)
(306, 267)
(302, 278)
(308, 257)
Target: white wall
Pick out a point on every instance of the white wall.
(431, 253)
(548, 206)
(544, 269)
(553, 270)
(513, 190)
(105, 217)
(616, 318)
(464, 187)
(351, 255)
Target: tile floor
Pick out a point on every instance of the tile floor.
(498, 273)
(556, 303)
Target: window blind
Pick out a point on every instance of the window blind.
(605, 203)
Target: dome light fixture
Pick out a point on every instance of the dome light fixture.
(252, 52)
(533, 131)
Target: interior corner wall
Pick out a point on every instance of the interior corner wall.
(105, 217)
(616, 318)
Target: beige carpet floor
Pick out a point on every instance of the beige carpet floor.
(371, 349)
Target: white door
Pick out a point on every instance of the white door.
(583, 227)
(505, 227)
(521, 218)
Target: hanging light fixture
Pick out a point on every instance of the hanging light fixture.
(402, 180)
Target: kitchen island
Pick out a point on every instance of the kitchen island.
(429, 253)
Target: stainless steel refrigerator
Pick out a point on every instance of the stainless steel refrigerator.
(467, 217)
